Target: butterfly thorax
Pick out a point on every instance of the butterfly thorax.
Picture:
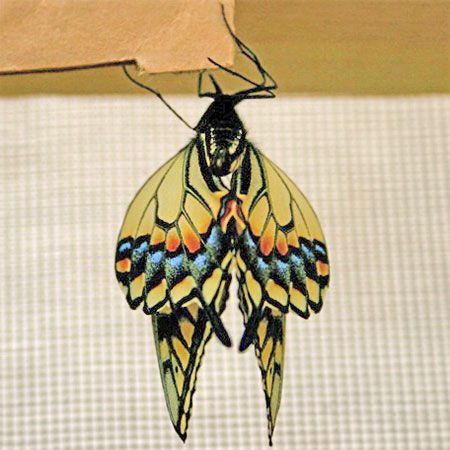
(222, 136)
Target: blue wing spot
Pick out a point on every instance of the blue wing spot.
(321, 249)
(262, 266)
(125, 246)
(176, 262)
(156, 257)
(307, 251)
(282, 267)
(249, 241)
(201, 259)
(295, 260)
(213, 239)
(142, 248)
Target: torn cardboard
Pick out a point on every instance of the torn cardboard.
(159, 35)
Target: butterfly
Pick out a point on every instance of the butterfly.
(219, 207)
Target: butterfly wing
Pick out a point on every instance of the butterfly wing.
(269, 349)
(173, 258)
(282, 264)
(180, 339)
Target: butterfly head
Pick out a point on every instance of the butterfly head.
(222, 135)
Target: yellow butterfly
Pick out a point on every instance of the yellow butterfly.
(188, 229)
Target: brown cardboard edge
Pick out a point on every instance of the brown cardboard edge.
(67, 69)
(181, 39)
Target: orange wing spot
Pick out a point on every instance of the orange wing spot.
(158, 236)
(192, 242)
(190, 239)
(282, 246)
(173, 240)
(322, 268)
(266, 245)
(233, 210)
(268, 238)
(124, 265)
(293, 239)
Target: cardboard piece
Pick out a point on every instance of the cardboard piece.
(159, 35)
(377, 47)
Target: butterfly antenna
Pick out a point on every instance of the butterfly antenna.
(250, 54)
(155, 92)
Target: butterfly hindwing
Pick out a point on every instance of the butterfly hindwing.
(269, 325)
(282, 264)
(174, 259)
(180, 339)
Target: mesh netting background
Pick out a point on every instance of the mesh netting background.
(78, 368)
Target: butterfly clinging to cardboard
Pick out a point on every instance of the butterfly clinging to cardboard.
(187, 231)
